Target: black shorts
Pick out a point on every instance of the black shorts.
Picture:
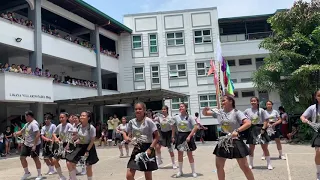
(27, 151)
(110, 134)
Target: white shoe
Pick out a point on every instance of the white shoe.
(179, 174)
(174, 166)
(282, 157)
(51, 172)
(25, 176)
(39, 178)
(84, 172)
(121, 156)
(270, 167)
(263, 158)
(194, 175)
(250, 166)
(159, 162)
(62, 178)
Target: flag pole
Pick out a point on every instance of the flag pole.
(217, 86)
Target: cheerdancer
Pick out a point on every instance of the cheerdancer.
(151, 115)
(31, 147)
(46, 136)
(84, 147)
(76, 124)
(119, 136)
(313, 113)
(257, 132)
(166, 123)
(187, 127)
(284, 125)
(231, 119)
(274, 122)
(60, 135)
(139, 127)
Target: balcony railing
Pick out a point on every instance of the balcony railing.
(245, 37)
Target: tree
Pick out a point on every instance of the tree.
(293, 65)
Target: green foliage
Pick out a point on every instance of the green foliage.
(293, 66)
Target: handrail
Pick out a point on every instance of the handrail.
(245, 37)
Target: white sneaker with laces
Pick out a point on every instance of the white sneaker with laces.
(51, 172)
(282, 157)
(39, 178)
(270, 167)
(62, 178)
(25, 176)
(194, 175)
(251, 167)
(159, 162)
(84, 172)
(179, 174)
(174, 166)
(263, 158)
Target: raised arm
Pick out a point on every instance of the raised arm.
(207, 111)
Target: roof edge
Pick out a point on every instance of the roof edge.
(252, 16)
(168, 12)
(86, 5)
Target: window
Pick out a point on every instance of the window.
(138, 74)
(234, 80)
(155, 75)
(259, 62)
(203, 68)
(175, 39)
(175, 103)
(136, 42)
(248, 94)
(209, 100)
(246, 80)
(177, 71)
(236, 94)
(202, 36)
(243, 62)
(231, 62)
(153, 43)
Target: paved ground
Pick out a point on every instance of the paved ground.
(298, 166)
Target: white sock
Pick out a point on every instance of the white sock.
(127, 151)
(280, 152)
(39, 172)
(251, 160)
(59, 171)
(121, 151)
(89, 178)
(318, 169)
(159, 156)
(51, 168)
(268, 160)
(172, 160)
(192, 167)
(26, 170)
(180, 166)
(73, 175)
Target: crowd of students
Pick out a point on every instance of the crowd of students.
(11, 17)
(38, 72)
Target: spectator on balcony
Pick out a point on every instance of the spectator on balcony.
(29, 24)
(29, 71)
(6, 67)
(37, 72)
(13, 68)
(47, 73)
(56, 33)
(76, 41)
(3, 15)
(68, 38)
(19, 70)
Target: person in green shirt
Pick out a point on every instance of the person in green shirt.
(116, 123)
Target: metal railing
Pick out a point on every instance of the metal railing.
(245, 37)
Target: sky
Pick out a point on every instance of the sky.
(226, 8)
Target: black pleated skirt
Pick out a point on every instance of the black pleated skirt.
(181, 138)
(315, 142)
(254, 132)
(277, 133)
(47, 149)
(239, 150)
(79, 151)
(166, 139)
(151, 166)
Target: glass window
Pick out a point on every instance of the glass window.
(208, 100)
(202, 36)
(155, 74)
(136, 42)
(243, 62)
(202, 68)
(175, 103)
(248, 93)
(177, 71)
(231, 62)
(138, 74)
(153, 43)
(175, 39)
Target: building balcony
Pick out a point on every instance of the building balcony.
(63, 49)
(243, 85)
(109, 63)
(16, 35)
(243, 44)
(18, 87)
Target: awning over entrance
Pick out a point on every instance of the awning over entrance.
(125, 98)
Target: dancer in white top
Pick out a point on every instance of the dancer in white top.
(119, 137)
(32, 143)
(313, 113)
(167, 124)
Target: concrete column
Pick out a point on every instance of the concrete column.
(37, 109)
(35, 57)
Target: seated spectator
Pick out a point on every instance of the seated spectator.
(13, 68)
(47, 73)
(19, 69)
(37, 72)
(6, 67)
(28, 71)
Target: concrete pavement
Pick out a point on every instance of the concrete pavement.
(298, 166)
